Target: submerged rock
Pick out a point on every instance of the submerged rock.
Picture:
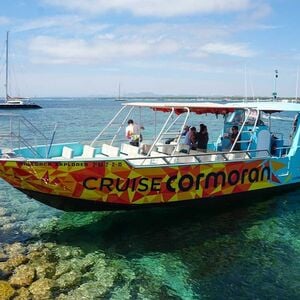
(50, 245)
(41, 253)
(63, 267)
(3, 256)
(8, 227)
(7, 220)
(17, 260)
(45, 270)
(4, 266)
(14, 249)
(6, 291)
(4, 275)
(7, 267)
(122, 292)
(106, 277)
(42, 289)
(89, 290)
(62, 297)
(3, 212)
(23, 294)
(5, 270)
(67, 252)
(69, 280)
(23, 276)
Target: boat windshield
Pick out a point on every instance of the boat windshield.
(238, 116)
(235, 118)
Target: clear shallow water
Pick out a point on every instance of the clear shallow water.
(250, 251)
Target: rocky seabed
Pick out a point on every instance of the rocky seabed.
(50, 271)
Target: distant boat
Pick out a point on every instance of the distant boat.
(119, 96)
(14, 102)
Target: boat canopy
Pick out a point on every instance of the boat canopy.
(218, 108)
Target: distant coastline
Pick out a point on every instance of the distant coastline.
(167, 97)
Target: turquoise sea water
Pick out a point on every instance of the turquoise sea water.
(248, 251)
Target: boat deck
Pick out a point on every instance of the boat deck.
(134, 155)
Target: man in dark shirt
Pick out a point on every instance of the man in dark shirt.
(234, 134)
(202, 138)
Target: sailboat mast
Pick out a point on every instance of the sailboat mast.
(6, 70)
(245, 84)
(297, 83)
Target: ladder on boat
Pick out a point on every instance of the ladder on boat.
(251, 133)
(18, 132)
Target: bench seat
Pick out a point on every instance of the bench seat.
(88, 152)
(67, 153)
(108, 151)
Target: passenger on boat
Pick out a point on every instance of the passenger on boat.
(184, 132)
(190, 138)
(295, 122)
(133, 133)
(202, 138)
(273, 144)
(233, 137)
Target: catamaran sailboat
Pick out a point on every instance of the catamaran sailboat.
(119, 95)
(14, 102)
(111, 174)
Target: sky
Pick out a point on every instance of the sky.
(69, 48)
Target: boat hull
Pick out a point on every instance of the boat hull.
(19, 106)
(75, 205)
(117, 184)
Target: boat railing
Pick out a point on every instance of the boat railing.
(196, 158)
(282, 151)
(107, 128)
(169, 129)
(8, 152)
(252, 117)
(237, 139)
(18, 132)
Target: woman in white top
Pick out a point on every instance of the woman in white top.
(132, 133)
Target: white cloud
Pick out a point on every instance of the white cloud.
(187, 33)
(234, 49)
(47, 22)
(64, 23)
(251, 20)
(158, 8)
(71, 51)
(132, 42)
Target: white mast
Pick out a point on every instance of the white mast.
(245, 83)
(6, 69)
(297, 83)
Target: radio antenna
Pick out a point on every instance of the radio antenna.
(275, 85)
